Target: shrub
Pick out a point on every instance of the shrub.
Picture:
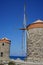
(11, 63)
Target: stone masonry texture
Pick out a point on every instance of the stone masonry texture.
(35, 44)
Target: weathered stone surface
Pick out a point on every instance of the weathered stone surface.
(35, 44)
(5, 49)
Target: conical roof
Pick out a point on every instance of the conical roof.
(36, 24)
(37, 21)
(5, 40)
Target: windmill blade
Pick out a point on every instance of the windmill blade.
(24, 32)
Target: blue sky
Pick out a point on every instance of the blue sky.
(11, 19)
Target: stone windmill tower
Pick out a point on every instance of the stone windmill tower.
(4, 49)
(35, 41)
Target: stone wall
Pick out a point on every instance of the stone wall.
(6, 50)
(35, 44)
